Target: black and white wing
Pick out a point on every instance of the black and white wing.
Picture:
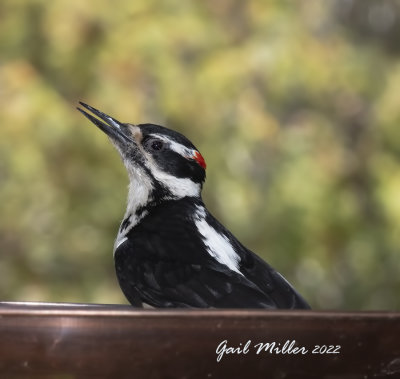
(171, 265)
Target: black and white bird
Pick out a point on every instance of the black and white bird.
(170, 251)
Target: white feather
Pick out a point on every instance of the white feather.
(141, 186)
(119, 242)
(176, 146)
(218, 245)
(139, 193)
(179, 187)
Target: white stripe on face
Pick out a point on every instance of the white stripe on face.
(178, 187)
(176, 146)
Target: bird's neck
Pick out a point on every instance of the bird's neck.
(144, 199)
(147, 190)
(140, 202)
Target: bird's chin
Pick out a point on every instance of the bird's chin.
(136, 168)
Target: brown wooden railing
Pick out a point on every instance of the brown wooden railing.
(88, 341)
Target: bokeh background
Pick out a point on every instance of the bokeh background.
(295, 106)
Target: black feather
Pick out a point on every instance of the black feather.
(164, 262)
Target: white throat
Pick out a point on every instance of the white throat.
(139, 193)
(140, 190)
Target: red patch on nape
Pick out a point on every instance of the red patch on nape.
(199, 159)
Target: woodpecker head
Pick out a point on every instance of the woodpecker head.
(162, 164)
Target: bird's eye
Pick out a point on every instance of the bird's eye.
(157, 145)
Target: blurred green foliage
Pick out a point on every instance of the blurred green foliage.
(295, 106)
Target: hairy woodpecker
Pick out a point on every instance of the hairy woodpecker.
(170, 251)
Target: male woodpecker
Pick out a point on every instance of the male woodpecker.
(170, 251)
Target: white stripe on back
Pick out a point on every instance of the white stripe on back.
(218, 245)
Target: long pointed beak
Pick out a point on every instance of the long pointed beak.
(112, 127)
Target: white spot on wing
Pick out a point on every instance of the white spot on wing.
(218, 245)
